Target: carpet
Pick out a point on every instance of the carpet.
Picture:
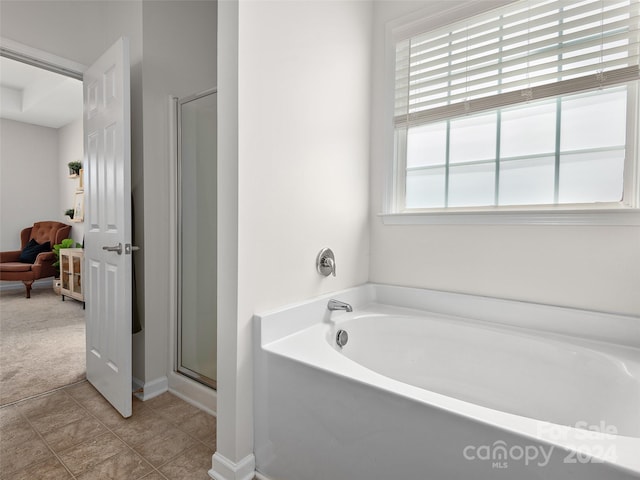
(42, 343)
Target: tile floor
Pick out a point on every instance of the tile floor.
(73, 433)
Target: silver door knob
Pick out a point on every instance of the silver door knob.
(117, 248)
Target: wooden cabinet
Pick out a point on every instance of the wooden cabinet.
(71, 272)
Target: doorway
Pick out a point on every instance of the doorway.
(197, 237)
(42, 338)
(106, 137)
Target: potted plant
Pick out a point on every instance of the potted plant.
(74, 168)
(66, 243)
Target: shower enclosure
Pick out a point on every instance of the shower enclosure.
(197, 237)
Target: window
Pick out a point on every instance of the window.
(534, 104)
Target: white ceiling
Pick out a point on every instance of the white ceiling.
(32, 95)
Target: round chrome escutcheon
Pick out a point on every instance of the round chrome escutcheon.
(342, 337)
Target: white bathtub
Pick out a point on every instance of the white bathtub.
(445, 386)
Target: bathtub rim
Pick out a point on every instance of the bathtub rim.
(621, 329)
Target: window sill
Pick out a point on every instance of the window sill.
(594, 217)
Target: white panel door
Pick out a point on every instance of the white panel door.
(107, 147)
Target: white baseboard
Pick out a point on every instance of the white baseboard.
(196, 394)
(150, 389)
(225, 469)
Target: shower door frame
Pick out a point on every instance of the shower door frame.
(203, 379)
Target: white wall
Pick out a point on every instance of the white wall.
(70, 148)
(180, 47)
(304, 148)
(587, 267)
(29, 179)
(302, 140)
(73, 29)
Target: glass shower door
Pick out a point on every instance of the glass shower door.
(197, 237)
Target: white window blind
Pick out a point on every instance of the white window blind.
(525, 51)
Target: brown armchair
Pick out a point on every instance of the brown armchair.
(12, 269)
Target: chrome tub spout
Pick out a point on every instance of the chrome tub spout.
(338, 305)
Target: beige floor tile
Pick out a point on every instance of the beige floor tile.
(54, 420)
(126, 465)
(177, 413)
(164, 400)
(9, 414)
(137, 405)
(87, 455)
(90, 398)
(83, 391)
(74, 433)
(16, 431)
(163, 433)
(50, 469)
(53, 402)
(104, 412)
(51, 412)
(141, 428)
(154, 476)
(18, 456)
(202, 426)
(192, 464)
(160, 449)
